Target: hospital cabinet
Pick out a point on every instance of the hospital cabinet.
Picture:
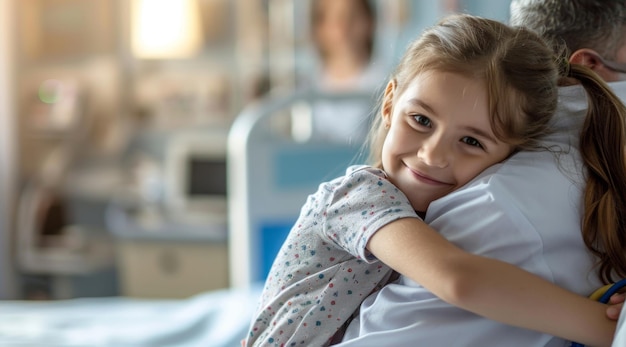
(172, 269)
(170, 228)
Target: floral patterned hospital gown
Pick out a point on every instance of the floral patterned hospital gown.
(323, 271)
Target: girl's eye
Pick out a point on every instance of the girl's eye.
(471, 141)
(423, 120)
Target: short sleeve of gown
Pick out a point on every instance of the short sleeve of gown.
(356, 205)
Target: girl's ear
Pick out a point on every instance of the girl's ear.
(387, 106)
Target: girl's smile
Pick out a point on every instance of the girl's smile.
(424, 178)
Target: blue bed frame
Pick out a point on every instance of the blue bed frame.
(270, 176)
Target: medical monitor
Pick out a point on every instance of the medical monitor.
(195, 171)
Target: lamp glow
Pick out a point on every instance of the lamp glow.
(165, 29)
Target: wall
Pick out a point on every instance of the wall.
(423, 14)
(7, 144)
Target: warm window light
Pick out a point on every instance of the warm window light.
(165, 28)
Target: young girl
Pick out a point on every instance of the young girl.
(465, 96)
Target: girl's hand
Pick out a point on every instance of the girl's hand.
(615, 306)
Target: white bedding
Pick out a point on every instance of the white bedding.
(212, 319)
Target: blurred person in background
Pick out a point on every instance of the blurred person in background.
(343, 33)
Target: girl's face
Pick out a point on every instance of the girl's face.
(439, 135)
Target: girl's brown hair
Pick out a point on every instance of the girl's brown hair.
(522, 75)
(602, 142)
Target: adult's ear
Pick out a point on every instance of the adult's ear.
(586, 57)
(387, 106)
(592, 59)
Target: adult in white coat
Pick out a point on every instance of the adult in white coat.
(526, 211)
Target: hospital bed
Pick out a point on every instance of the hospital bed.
(272, 166)
(271, 172)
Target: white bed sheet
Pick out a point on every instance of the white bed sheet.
(212, 319)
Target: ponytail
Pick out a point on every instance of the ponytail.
(602, 146)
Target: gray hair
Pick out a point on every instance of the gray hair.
(574, 24)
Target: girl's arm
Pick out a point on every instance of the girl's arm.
(491, 288)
